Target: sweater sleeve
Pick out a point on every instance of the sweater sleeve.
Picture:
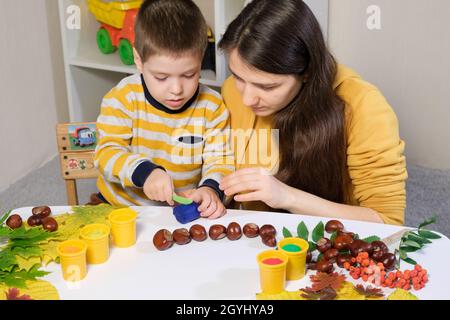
(375, 159)
(113, 155)
(218, 157)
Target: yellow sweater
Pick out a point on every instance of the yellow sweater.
(375, 160)
(138, 134)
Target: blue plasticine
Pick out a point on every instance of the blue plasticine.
(186, 213)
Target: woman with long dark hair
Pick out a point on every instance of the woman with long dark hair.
(340, 154)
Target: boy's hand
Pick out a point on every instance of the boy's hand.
(210, 205)
(159, 186)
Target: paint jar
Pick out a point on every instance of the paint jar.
(123, 227)
(72, 254)
(272, 271)
(296, 249)
(96, 237)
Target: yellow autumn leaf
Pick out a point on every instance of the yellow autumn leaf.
(285, 295)
(401, 294)
(37, 290)
(347, 292)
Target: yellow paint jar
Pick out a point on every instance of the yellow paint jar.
(272, 271)
(96, 237)
(72, 255)
(296, 249)
(123, 227)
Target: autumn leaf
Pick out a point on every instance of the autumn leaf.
(13, 294)
(323, 280)
(369, 291)
(325, 294)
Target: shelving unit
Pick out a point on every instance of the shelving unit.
(91, 74)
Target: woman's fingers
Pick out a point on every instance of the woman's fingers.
(235, 177)
(243, 187)
(252, 196)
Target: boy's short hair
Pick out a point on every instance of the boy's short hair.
(170, 27)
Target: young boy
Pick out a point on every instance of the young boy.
(160, 131)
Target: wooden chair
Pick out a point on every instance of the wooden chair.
(76, 146)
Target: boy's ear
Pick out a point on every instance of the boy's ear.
(137, 60)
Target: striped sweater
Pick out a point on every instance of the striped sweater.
(138, 134)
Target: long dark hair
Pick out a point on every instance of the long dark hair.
(284, 37)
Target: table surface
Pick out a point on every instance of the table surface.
(221, 269)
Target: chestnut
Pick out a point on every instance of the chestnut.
(308, 256)
(269, 240)
(234, 231)
(342, 242)
(251, 230)
(198, 232)
(334, 225)
(379, 248)
(267, 230)
(348, 233)
(324, 266)
(323, 244)
(331, 254)
(163, 239)
(343, 258)
(14, 221)
(388, 260)
(181, 236)
(43, 211)
(217, 232)
(358, 246)
(49, 224)
(34, 221)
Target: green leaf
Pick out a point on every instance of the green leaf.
(319, 256)
(318, 232)
(302, 231)
(312, 246)
(333, 236)
(428, 222)
(415, 237)
(413, 244)
(4, 217)
(428, 234)
(410, 261)
(403, 255)
(372, 239)
(286, 233)
(409, 249)
(356, 236)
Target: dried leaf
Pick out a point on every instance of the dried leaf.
(285, 295)
(400, 294)
(348, 292)
(13, 294)
(369, 291)
(323, 280)
(325, 294)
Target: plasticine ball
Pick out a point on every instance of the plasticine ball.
(185, 213)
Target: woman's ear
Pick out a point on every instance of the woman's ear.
(137, 60)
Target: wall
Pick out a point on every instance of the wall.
(409, 60)
(28, 97)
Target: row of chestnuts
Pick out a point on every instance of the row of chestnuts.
(345, 247)
(164, 239)
(40, 216)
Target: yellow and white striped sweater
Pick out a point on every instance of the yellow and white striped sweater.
(138, 134)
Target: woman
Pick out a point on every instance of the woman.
(340, 154)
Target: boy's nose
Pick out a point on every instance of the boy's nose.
(176, 88)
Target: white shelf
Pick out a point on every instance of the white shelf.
(89, 73)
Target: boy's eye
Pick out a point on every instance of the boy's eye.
(189, 76)
(160, 78)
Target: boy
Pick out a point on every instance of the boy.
(160, 131)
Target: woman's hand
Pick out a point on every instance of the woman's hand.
(256, 184)
(210, 206)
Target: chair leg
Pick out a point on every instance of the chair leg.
(71, 189)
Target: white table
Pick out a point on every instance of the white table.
(211, 269)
